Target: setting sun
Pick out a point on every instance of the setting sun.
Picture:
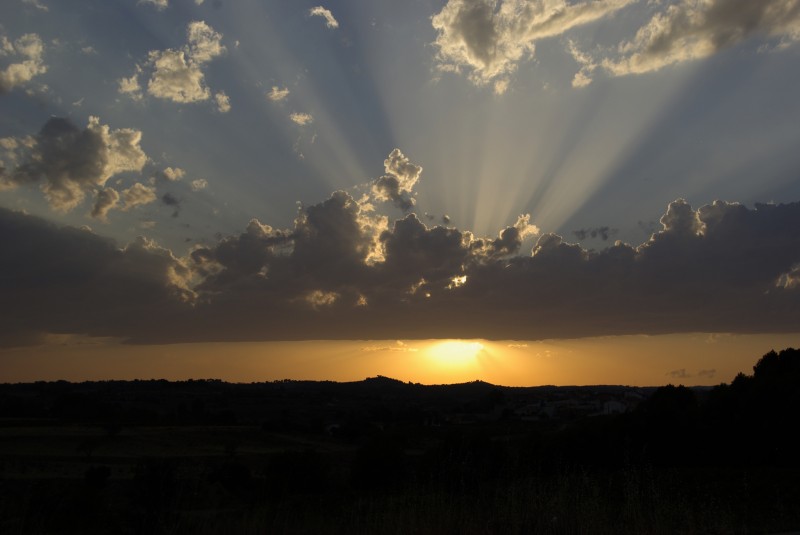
(455, 352)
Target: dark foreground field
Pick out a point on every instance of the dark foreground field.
(381, 456)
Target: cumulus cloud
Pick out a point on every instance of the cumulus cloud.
(204, 43)
(69, 162)
(172, 174)
(138, 195)
(14, 150)
(177, 74)
(105, 200)
(343, 270)
(223, 102)
(508, 241)
(318, 298)
(691, 30)
(301, 119)
(130, 86)
(320, 11)
(26, 55)
(277, 94)
(489, 38)
(176, 78)
(398, 182)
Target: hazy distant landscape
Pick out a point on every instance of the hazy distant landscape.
(383, 456)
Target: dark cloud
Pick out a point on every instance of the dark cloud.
(171, 200)
(604, 233)
(344, 272)
(68, 280)
(71, 162)
(414, 252)
(708, 374)
(679, 374)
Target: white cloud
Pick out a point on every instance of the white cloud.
(584, 76)
(158, 4)
(320, 11)
(277, 94)
(692, 30)
(489, 38)
(177, 74)
(130, 86)
(223, 102)
(176, 79)
(9, 143)
(204, 43)
(319, 298)
(173, 173)
(137, 195)
(38, 5)
(199, 184)
(301, 118)
(30, 49)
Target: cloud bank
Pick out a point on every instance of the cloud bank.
(345, 271)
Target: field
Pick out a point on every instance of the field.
(381, 456)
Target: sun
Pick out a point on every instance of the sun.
(455, 353)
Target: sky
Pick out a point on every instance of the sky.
(437, 191)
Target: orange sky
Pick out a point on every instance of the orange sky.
(693, 359)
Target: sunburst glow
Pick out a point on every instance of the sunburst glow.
(455, 353)
(434, 192)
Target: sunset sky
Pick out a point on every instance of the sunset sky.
(519, 191)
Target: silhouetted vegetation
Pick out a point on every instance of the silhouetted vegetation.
(382, 456)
